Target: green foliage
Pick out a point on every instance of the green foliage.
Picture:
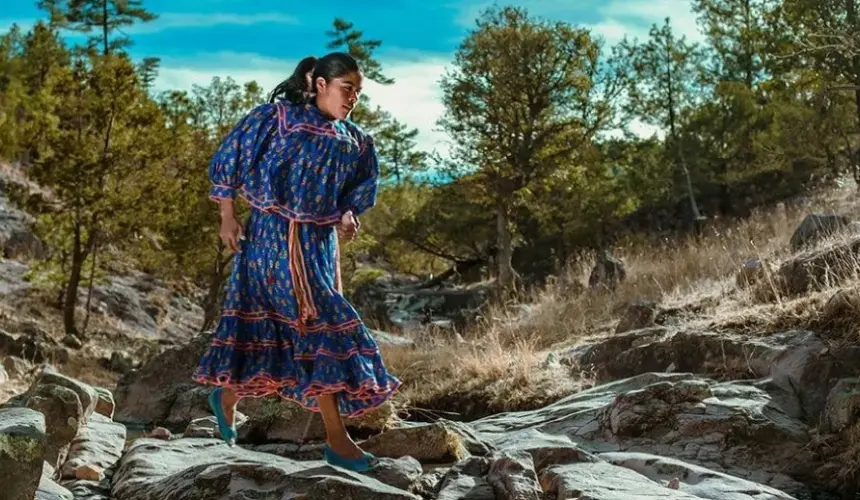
(521, 107)
(541, 115)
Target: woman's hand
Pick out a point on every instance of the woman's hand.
(231, 231)
(347, 228)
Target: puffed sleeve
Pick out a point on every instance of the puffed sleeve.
(360, 193)
(234, 165)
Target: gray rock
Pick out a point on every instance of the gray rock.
(427, 486)
(207, 427)
(638, 315)
(99, 444)
(147, 395)
(608, 272)
(89, 490)
(121, 362)
(513, 477)
(105, 405)
(142, 302)
(467, 481)
(735, 428)
(816, 227)
(699, 481)
(190, 469)
(401, 473)
(16, 366)
(64, 417)
(22, 444)
(843, 405)
(436, 443)
(33, 344)
(50, 490)
(87, 395)
(603, 481)
(464, 487)
(17, 240)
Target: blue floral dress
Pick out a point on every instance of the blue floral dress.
(286, 327)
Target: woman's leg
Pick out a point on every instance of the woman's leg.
(229, 400)
(336, 435)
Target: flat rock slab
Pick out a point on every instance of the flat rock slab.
(191, 469)
(604, 481)
(99, 444)
(702, 482)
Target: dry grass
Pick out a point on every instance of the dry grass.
(476, 378)
(503, 363)
(848, 477)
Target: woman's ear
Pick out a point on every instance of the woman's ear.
(321, 85)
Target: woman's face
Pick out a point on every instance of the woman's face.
(338, 97)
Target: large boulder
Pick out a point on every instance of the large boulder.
(732, 428)
(813, 270)
(162, 393)
(147, 395)
(23, 441)
(63, 417)
(816, 227)
(800, 365)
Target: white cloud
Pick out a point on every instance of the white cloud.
(635, 17)
(414, 98)
(617, 17)
(171, 20)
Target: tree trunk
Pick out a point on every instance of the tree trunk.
(504, 257)
(105, 26)
(211, 306)
(91, 279)
(70, 301)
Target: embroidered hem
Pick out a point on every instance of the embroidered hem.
(258, 386)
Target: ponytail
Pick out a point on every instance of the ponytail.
(295, 88)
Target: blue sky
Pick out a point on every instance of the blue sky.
(263, 39)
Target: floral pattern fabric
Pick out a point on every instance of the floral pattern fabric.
(286, 327)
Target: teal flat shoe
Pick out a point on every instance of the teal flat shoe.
(363, 464)
(228, 433)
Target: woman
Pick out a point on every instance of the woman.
(286, 328)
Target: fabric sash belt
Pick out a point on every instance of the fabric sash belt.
(299, 273)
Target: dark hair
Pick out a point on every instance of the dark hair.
(294, 88)
(329, 66)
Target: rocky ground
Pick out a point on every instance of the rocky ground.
(713, 399)
(657, 434)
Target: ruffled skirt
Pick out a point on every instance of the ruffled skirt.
(263, 346)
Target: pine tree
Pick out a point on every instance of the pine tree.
(663, 73)
(520, 106)
(100, 153)
(344, 36)
(103, 18)
(148, 71)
